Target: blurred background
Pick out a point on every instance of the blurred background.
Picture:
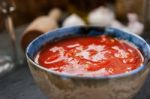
(28, 10)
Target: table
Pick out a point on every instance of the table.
(19, 83)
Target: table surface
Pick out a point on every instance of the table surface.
(19, 84)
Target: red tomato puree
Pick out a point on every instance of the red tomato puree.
(90, 56)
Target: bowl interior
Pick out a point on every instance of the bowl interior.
(40, 41)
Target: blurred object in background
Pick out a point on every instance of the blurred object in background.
(134, 25)
(101, 16)
(105, 17)
(83, 7)
(55, 14)
(41, 25)
(73, 20)
(8, 60)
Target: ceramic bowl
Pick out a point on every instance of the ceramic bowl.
(62, 86)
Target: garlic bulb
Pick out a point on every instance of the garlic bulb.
(101, 16)
(136, 27)
(73, 20)
(134, 24)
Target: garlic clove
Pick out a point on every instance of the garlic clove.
(101, 16)
(73, 20)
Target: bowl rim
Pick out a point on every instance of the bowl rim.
(121, 75)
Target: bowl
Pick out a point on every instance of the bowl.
(63, 86)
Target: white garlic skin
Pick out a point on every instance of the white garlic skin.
(134, 24)
(136, 27)
(101, 16)
(73, 20)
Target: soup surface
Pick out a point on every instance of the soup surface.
(90, 56)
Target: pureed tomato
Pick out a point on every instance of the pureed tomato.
(90, 56)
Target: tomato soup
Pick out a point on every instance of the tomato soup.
(90, 56)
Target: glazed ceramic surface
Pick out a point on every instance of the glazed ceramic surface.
(60, 86)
